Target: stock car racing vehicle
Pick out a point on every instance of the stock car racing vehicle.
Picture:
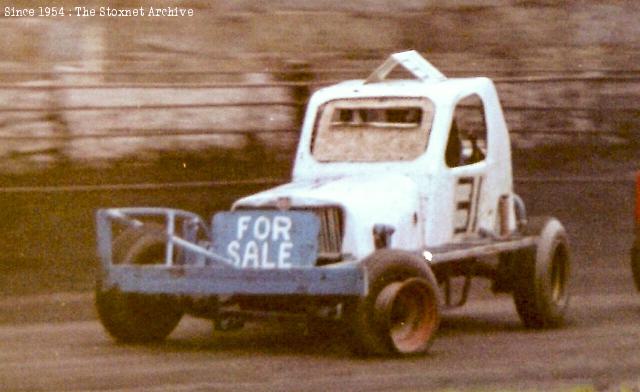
(400, 188)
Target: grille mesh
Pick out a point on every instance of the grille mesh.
(330, 236)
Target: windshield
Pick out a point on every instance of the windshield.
(372, 129)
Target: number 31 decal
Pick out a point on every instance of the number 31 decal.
(466, 204)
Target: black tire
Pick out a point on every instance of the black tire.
(541, 284)
(635, 264)
(132, 317)
(403, 284)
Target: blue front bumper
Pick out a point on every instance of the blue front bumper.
(209, 273)
(345, 280)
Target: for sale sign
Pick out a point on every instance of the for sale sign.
(267, 239)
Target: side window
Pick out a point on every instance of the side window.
(468, 134)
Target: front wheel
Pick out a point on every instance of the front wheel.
(134, 317)
(541, 292)
(400, 315)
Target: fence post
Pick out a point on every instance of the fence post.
(298, 71)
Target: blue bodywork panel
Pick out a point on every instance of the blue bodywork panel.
(267, 239)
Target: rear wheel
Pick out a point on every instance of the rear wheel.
(133, 317)
(400, 315)
(541, 292)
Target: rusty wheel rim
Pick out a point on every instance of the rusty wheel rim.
(559, 272)
(408, 313)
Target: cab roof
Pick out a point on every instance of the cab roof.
(428, 81)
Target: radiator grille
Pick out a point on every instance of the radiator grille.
(330, 236)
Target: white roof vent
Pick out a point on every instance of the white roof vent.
(413, 62)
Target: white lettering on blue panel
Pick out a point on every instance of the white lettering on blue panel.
(267, 239)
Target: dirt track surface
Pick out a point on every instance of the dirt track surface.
(54, 343)
(482, 347)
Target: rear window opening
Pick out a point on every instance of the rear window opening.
(406, 117)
